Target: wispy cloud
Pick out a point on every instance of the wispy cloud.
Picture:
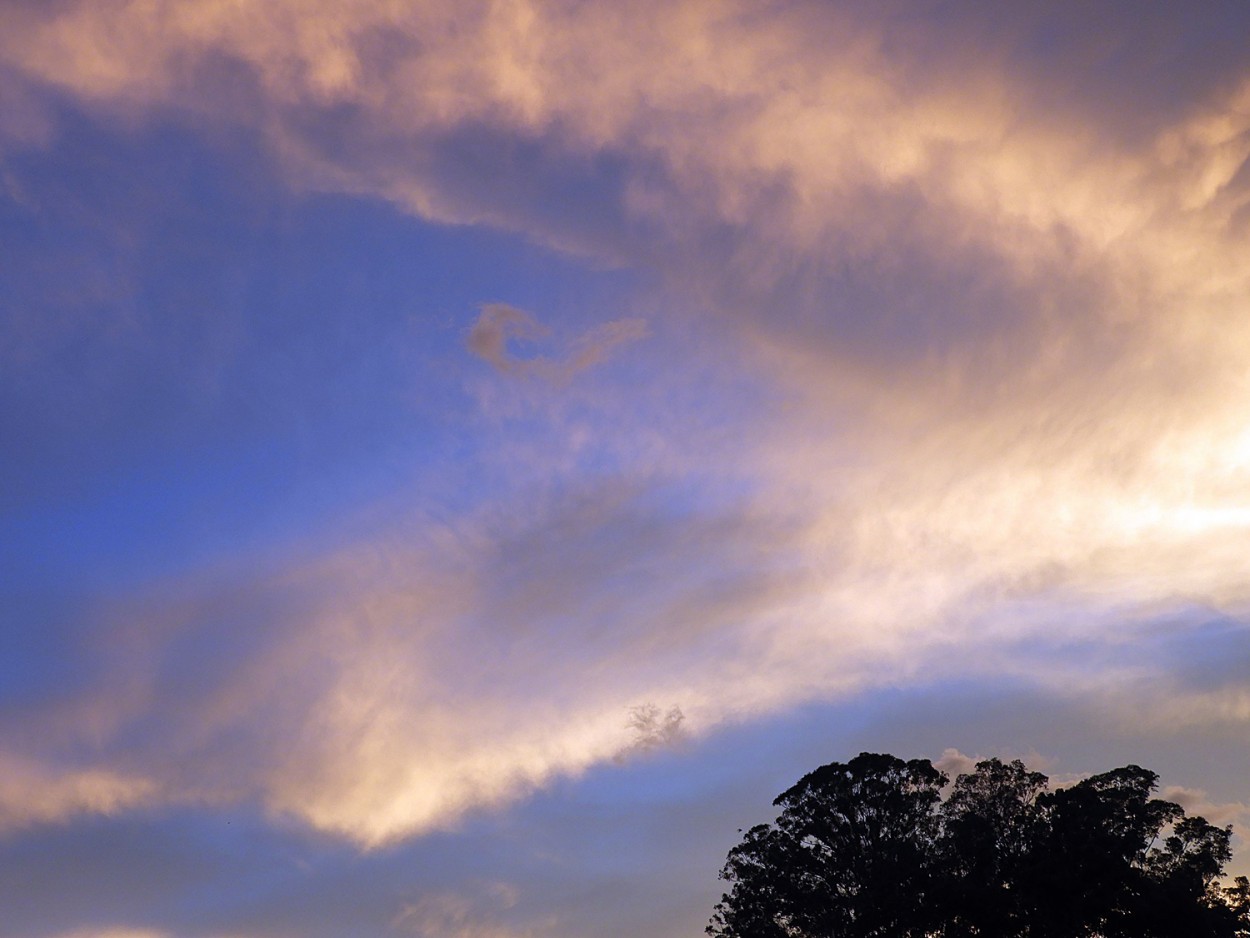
(32, 794)
(499, 324)
(458, 916)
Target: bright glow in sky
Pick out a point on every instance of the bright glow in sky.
(460, 460)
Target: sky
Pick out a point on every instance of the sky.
(460, 460)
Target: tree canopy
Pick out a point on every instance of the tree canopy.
(879, 847)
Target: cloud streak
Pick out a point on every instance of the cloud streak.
(33, 794)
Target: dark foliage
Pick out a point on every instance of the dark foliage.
(869, 849)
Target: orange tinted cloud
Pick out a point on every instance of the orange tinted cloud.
(498, 324)
(31, 793)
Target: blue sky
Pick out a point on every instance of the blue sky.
(461, 461)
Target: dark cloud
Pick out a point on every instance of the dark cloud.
(499, 325)
(496, 325)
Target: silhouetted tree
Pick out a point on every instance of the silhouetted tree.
(992, 823)
(869, 849)
(850, 854)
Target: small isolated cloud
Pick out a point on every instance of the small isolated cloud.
(954, 763)
(496, 326)
(499, 325)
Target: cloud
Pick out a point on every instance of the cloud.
(32, 794)
(389, 687)
(499, 324)
(847, 209)
(594, 347)
(513, 667)
(1195, 801)
(954, 763)
(915, 233)
(450, 915)
(394, 686)
(655, 728)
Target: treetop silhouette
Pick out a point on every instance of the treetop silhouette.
(871, 848)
